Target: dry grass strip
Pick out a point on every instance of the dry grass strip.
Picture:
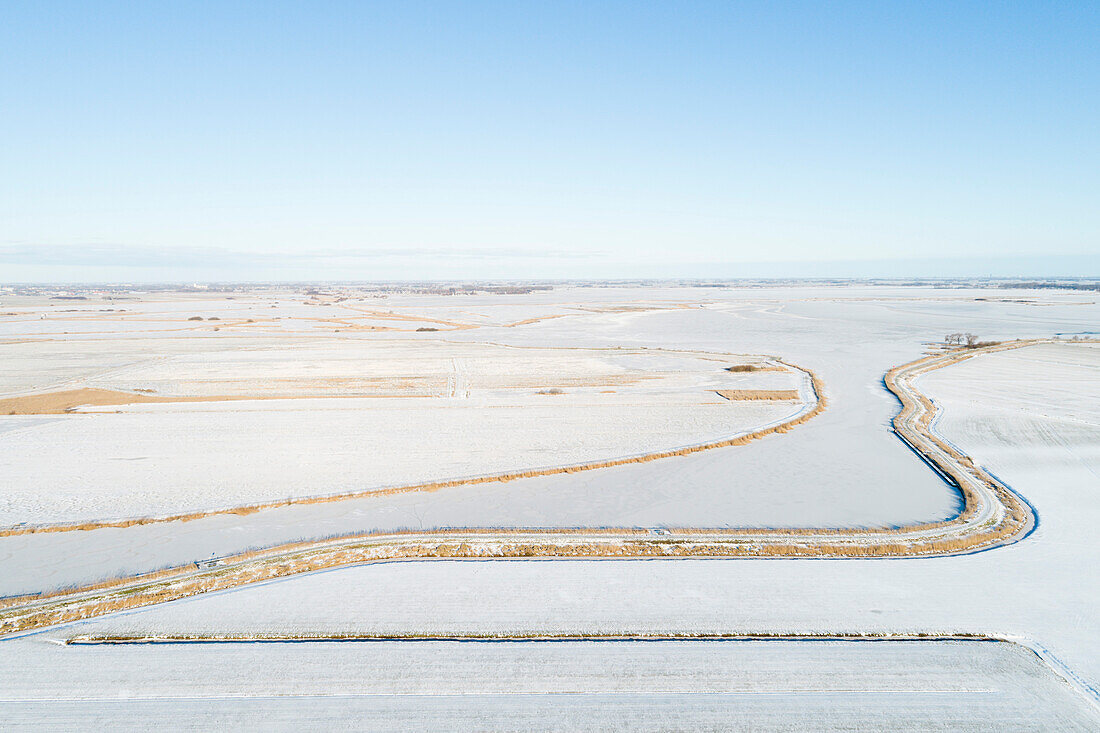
(409, 317)
(758, 394)
(535, 319)
(123, 639)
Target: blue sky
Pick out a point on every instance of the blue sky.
(405, 140)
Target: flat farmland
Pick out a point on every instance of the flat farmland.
(563, 685)
(549, 380)
(217, 429)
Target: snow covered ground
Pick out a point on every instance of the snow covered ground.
(574, 685)
(1041, 590)
(1031, 416)
(844, 468)
(421, 411)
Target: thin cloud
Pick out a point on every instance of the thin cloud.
(117, 255)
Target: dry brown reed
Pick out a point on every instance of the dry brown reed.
(758, 394)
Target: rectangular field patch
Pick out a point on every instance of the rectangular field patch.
(758, 394)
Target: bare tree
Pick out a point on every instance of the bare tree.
(953, 339)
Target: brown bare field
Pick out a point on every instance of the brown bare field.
(745, 368)
(65, 401)
(758, 394)
(57, 403)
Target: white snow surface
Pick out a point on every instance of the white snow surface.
(575, 685)
(844, 468)
(424, 412)
(1009, 410)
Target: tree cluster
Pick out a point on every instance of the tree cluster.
(961, 339)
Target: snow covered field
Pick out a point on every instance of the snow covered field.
(1040, 590)
(1031, 416)
(575, 685)
(844, 468)
(393, 413)
(1002, 404)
